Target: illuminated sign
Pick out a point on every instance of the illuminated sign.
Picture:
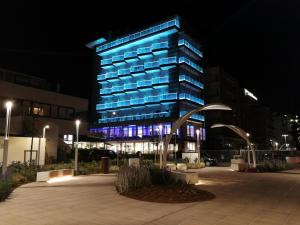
(250, 94)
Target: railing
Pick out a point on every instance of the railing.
(225, 155)
(262, 155)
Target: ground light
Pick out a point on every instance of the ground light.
(61, 179)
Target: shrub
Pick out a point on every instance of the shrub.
(146, 162)
(160, 176)
(5, 189)
(17, 179)
(132, 178)
(273, 166)
(196, 165)
(186, 160)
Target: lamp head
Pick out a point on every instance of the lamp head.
(77, 122)
(197, 131)
(47, 127)
(8, 104)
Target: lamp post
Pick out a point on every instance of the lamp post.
(160, 146)
(44, 130)
(243, 135)
(285, 136)
(43, 137)
(248, 149)
(77, 123)
(198, 144)
(8, 106)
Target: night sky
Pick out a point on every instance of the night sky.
(257, 42)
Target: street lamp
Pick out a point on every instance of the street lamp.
(8, 106)
(239, 131)
(198, 144)
(77, 123)
(44, 130)
(276, 145)
(160, 145)
(285, 136)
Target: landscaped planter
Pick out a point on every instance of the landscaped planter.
(171, 166)
(238, 164)
(181, 166)
(292, 159)
(188, 177)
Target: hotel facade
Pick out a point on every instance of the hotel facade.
(145, 81)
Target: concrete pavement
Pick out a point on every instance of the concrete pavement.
(241, 199)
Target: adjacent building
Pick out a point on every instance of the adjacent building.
(37, 103)
(247, 113)
(286, 131)
(145, 81)
(223, 88)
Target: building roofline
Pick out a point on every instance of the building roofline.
(131, 36)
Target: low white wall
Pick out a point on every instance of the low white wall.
(17, 147)
(190, 155)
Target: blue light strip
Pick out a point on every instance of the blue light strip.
(190, 80)
(139, 84)
(97, 42)
(140, 51)
(143, 33)
(190, 63)
(137, 101)
(185, 43)
(191, 98)
(138, 68)
(194, 116)
(135, 117)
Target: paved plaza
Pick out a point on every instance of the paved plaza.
(241, 199)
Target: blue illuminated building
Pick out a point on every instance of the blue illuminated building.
(146, 80)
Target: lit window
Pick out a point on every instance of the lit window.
(68, 139)
(191, 146)
(140, 131)
(190, 130)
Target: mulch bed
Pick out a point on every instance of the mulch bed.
(170, 194)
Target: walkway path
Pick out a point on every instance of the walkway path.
(267, 198)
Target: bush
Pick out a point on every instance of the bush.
(132, 178)
(5, 189)
(196, 165)
(160, 176)
(18, 179)
(273, 166)
(146, 162)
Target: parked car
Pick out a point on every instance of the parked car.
(209, 160)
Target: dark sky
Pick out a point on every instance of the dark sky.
(255, 41)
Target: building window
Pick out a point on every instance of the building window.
(111, 132)
(190, 131)
(140, 131)
(190, 146)
(54, 111)
(125, 131)
(62, 112)
(68, 139)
